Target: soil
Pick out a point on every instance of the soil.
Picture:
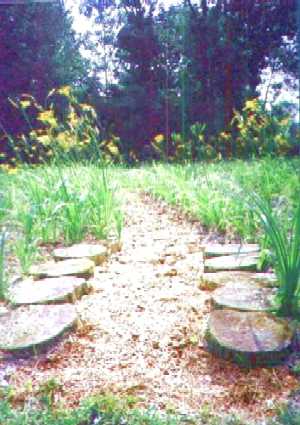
(142, 329)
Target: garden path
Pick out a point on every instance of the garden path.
(143, 327)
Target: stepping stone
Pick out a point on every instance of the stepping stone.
(96, 253)
(81, 267)
(250, 339)
(232, 262)
(243, 297)
(218, 250)
(35, 325)
(48, 291)
(211, 281)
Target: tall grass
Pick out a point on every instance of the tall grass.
(217, 193)
(285, 245)
(60, 203)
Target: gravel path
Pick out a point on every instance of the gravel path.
(143, 326)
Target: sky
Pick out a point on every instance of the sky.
(82, 24)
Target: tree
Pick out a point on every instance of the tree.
(38, 52)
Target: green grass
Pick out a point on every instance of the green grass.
(66, 203)
(109, 410)
(63, 203)
(218, 193)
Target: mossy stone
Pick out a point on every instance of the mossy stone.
(250, 339)
(81, 267)
(31, 326)
(48, 291)
(97, 253)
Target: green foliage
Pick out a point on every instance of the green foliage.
(259, 132)
(64, 129)
(40, 51)
(284, 242)
(216, 193)
(105, 410)
(60, 203)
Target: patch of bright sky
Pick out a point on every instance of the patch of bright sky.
(82, 25)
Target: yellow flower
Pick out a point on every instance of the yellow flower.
(159, 138)
(25, 104)
(44, 139)
(48, 117)
(86, 107)
(65, 91)
(251, 104)
(73, 118)
(112, 149)
(64, 139)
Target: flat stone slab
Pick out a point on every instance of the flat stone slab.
(218, 250)
(232, 262)
(82, 267)
(97, 253)
(35, 325)
(243, 297)
(48, 291)
(250, 339)
(212, 281)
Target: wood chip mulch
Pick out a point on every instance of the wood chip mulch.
(143, 326)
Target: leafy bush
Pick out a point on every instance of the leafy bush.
(258, 131)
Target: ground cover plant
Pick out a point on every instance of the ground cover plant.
(110, 410)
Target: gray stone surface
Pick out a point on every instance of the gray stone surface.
(232, 262)
(48, 291)
(243, 297)
(81, 267)
(250, 339)
(97, 253)
(211, 281)
(218, 250)
(32, 326)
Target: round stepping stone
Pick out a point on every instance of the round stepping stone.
(48, 291)
(231, 262)
(32, 326)
(218, 250)
(81, 267)
(250, 339)
(211, 281)
(243, 297)
(97, 253)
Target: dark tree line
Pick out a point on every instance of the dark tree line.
(157, 70)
